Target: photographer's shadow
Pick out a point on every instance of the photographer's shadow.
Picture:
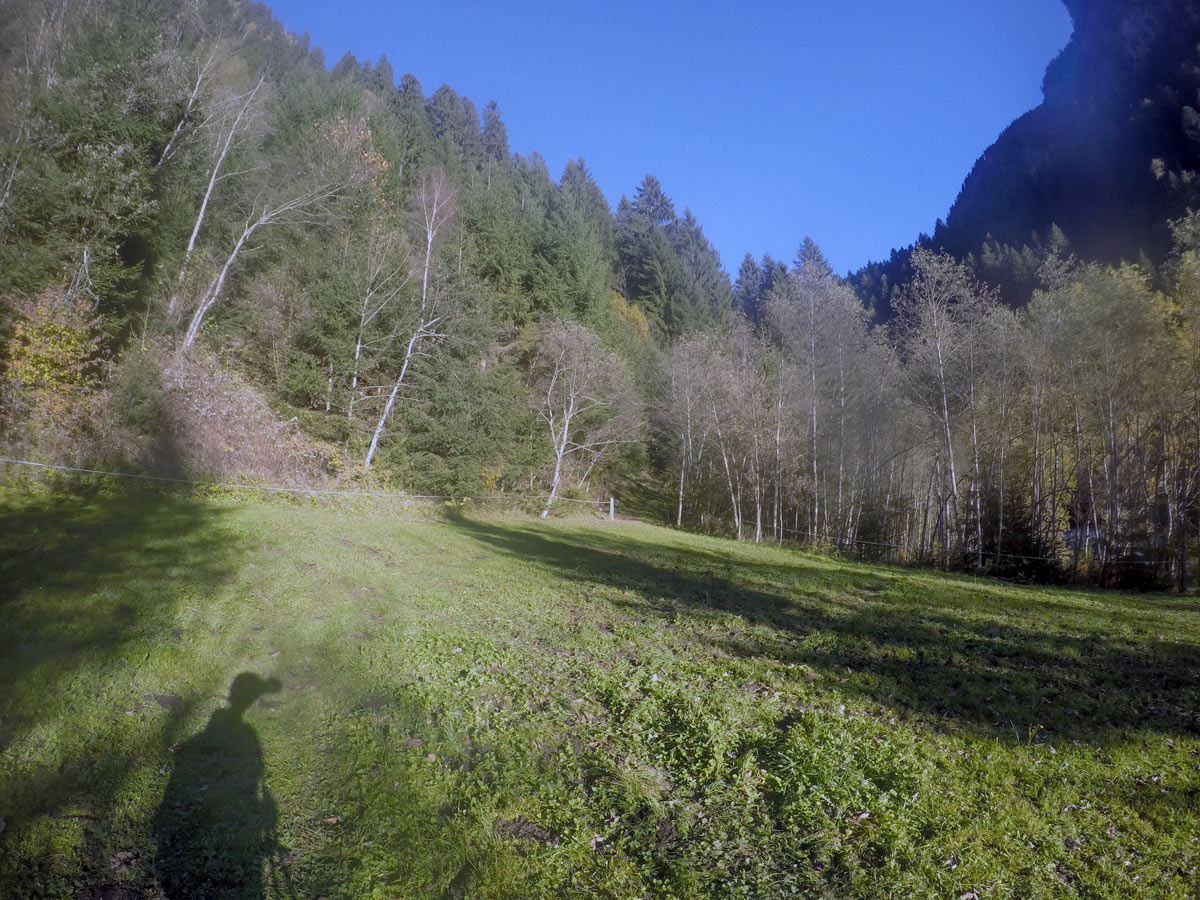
(215, 826)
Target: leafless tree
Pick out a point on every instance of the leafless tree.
(194, 76)
(684, 415)
(382, 271)
(435, 208)
(231, 119)
(266, 208)
(937, 310)
(584, 395)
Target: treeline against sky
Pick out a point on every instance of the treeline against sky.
(219, 257)
(374, 257)
(1061, 440)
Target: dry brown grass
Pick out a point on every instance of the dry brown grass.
(217, 424)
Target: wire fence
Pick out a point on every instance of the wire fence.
(606, 506)
(314, 492)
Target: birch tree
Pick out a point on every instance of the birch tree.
(684, 414)
(382, 272)
(266, 208)
(584, 395)
(935, 309)
(435, 209)
(1187, 380)
(228, 123)
(191, 79)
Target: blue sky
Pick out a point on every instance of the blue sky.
(854, 123)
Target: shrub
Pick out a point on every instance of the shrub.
(52, 390)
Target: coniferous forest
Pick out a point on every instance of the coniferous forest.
(223, 258)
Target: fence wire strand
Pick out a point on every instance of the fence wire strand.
(387, 495)
(321, 492)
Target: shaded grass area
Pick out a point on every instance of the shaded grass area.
(500, 708)
(981, 655)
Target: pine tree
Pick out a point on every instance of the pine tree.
(495, 133)
(747, 290)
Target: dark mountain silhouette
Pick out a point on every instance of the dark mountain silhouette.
(1109, 156)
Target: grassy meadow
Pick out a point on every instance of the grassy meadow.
(212, 697)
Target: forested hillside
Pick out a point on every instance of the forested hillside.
(221, 258)
(375, 259)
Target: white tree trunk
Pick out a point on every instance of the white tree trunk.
(225, 144)
(409, 350)
(214, 288)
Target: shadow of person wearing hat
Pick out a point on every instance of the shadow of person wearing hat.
(215, 825)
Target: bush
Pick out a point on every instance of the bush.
(137, 409)
(52, 390)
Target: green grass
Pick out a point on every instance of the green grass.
(475, 707)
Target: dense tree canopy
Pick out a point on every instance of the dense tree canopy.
(189, 198)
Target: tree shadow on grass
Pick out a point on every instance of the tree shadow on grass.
(91, 582)
(955, 652)
(84, 576)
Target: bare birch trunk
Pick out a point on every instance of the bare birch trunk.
(214, 174)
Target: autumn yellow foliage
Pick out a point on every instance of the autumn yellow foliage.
(52, 386)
